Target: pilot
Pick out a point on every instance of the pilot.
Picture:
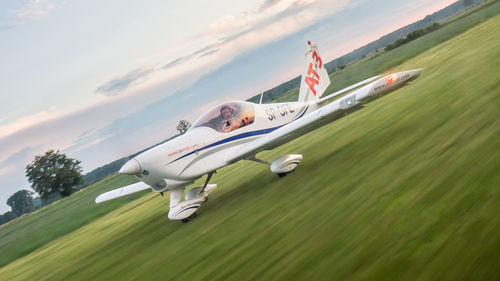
(227, 116)
(226, 112)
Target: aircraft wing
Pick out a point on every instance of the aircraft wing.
(374, 88)
(123, 191)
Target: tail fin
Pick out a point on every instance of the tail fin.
(315, 78)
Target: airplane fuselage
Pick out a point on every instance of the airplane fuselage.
(230, 125)
(202, 148)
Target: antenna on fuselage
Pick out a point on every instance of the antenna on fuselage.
(261, 95)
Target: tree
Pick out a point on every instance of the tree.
(183, 126)
(340, 63)
(54, 172)
(6, 217)
(21, 202)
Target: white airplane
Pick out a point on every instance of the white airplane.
(238, 130)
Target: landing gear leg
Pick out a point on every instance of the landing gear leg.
(206, 182)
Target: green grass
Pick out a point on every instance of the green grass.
(405, 189)
(62, 217)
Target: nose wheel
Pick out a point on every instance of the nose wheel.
(185, 211)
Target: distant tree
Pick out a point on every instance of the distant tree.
(432, 27)
(54, 172)
(340, 63)
(6, 217)
(412, 36)
(415, 34)
(21, 202)
(183, 126)
(37, 202)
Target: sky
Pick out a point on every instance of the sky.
(100, 80)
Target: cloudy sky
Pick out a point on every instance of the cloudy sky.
(100, 80)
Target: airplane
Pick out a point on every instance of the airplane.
(238, 130)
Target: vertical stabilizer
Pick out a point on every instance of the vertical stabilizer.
(315, 78)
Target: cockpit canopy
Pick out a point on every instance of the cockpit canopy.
(228, 116)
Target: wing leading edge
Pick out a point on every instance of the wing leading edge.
(123, 191)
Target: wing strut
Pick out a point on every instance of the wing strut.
(255, 159)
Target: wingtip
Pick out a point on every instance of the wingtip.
(101, 198)
(97, 200)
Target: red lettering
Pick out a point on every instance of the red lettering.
(311, 82)
(311, 70)
(318, 59)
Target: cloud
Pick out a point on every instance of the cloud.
(25, 121)
(31, 10)
(139, 75)
(120, 84)
(17, 159)
(177, 61)
(84, 142)
(268, 4)
(207, 53)
(233, 35)
(31, 14)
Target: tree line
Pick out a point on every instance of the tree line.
(412, 36)
(52, 175)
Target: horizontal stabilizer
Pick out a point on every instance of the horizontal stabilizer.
(123, 191)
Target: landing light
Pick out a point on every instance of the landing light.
(391, 78)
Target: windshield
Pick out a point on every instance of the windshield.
(227, 117)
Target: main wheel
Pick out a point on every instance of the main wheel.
(282, 175)
(189, 218)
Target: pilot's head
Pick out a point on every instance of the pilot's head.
(226, 112)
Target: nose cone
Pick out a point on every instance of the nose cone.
(132, 167)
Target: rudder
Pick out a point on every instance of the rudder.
(315, 78)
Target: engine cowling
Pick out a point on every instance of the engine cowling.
(285, 164)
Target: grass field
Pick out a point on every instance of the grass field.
(64, 216)
(405, 189)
